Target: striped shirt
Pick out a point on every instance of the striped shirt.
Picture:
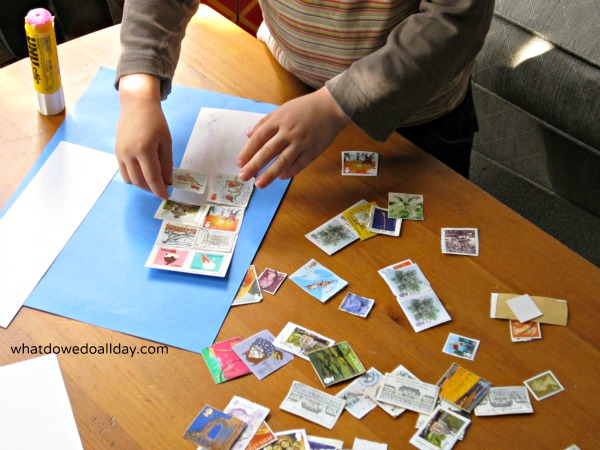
(317, 40)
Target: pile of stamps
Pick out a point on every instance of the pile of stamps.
(200, 237)
(365, 220)
(443, 407)
(241, 425)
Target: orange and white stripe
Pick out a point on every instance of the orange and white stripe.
(316, 40)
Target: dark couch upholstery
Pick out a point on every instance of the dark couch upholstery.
(537, 95)
(71, 20)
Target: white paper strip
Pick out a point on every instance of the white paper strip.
(44, 217)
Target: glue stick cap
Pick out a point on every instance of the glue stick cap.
(38, 17)
(41, 42)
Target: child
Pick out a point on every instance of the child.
(383, 65)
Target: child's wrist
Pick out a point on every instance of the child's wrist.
(342, 118)
(139, 86)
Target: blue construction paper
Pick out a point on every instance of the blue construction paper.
(100, 277)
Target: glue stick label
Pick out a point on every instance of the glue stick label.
(41, 43)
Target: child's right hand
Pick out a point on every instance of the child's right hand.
(143, 142)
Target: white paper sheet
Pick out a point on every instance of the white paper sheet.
(215, 143)
(44, 217)
(35, 412)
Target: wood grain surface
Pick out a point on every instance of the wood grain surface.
(148, 401)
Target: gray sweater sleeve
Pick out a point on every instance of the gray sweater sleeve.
(151, 35)
(421, 71)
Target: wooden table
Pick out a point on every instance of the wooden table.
(147, 401)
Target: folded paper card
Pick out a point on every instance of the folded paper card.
(99, 277)
(554, 311)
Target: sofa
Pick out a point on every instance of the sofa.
(71, 20)
(536, 86)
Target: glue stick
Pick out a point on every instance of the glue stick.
(41, 43)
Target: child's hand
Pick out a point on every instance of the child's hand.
(143, 142)
(295, 134)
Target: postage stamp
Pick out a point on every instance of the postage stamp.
(524, 331)
(249, 291)
(181, 212)
(333, 235)
(408, 393)
(380, 222)
(460, 241)
(440, 431)
(461, 346)
(222, 361)
(252, 414)
(260, 355)
(230, 190)
(360, 163)
(223, 218)
(301, 341)
(215, 241)
(177, 235)
(358, 403)
(313, 404)
(405, 279)
(270, 280)
(227, 429)
(505, 400)
(357, 305)
(373, 391)
(544, 385)
(336, 363)
(318, 281)
(167, 257)
(424, 311)
(358, 218)
(405, 206)
(292, 439)
(188, 180)
(263, 436)
(205, 262)
(462, 388)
